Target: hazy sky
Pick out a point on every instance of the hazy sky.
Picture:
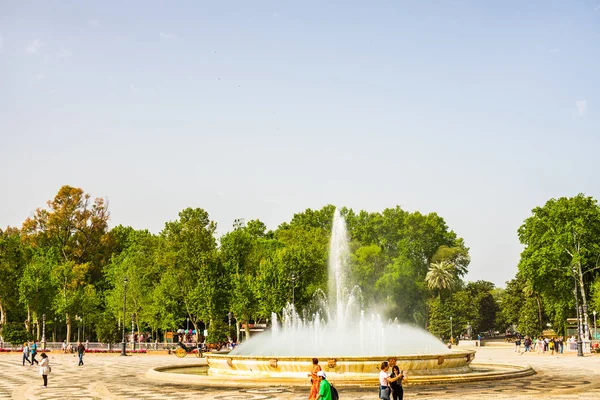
(477, 110)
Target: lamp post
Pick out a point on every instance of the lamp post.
(594, 324)
(132, 330)
(586, 329)
(123, 350)
(451, 336)
(230, 314)
(78, 319)
(44, 330)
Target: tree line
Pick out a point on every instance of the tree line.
(65, 263)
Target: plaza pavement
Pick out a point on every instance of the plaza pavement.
(113, 377)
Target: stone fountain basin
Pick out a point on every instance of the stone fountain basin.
(346, 368)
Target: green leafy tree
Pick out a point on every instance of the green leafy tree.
(562, 242)
(12, 261)
(193, 272)
(15, 333)
(36, 288)
(137, 262)
(75, 227)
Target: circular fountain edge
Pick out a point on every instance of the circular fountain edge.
(480, 372)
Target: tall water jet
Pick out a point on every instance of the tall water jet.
(338, 266)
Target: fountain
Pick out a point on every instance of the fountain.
(349, 343)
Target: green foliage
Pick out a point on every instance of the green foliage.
(473, 305)
(66, 263)
(107, 329)
(218, 332)
(192, 270)
(528, 319)
(440, 275)
(561, 256)
(12, 261)
(15, 333)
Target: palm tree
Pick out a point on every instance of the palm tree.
(441, 275)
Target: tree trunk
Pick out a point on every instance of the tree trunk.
(586, 333)
(2, 314)
(38, 329)
(197, 334)
(68, 322)
(28, 320)
(539, 307)
(246, 330)
(237, 330)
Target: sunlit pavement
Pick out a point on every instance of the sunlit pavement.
(113, 377)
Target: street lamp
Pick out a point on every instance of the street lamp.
(44, 330)
(188, 324)
(132, 329)
(586, 330)
(78, 319)
(123, 350)
(230, 314)
(451, 336)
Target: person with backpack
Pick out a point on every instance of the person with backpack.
(324, 387)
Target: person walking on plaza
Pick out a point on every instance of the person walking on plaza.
(324, 387)
(34, 352)
(314, 380)
(26, 353)
(396, 386)
(45, 368)
(80, 352)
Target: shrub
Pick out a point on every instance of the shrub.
(15, 333)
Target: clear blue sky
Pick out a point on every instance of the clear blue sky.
(477, 110)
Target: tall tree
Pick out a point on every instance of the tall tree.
(562, 240)
(36, 286)
(75, 226)
(192, 267)
(12, 261)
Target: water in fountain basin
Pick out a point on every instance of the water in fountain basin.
(340, 327)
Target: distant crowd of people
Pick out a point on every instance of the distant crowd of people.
(543, 344)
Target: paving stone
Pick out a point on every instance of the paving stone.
(113, 377)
